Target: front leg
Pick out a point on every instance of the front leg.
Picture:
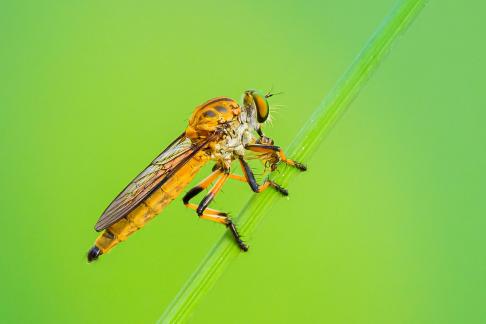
(273, 149)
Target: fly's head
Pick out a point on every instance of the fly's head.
(255, 110)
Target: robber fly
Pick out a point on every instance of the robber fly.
(220, 130)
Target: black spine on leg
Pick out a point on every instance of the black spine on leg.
(300, 166)
(204, 204)
(191, 194)
(279, 188)
(237, 237)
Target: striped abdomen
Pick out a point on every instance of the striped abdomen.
(147, 209)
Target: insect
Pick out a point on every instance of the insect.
(219, 130)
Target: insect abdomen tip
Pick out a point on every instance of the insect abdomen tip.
(94, 253)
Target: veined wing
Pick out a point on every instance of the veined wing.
(155, 174)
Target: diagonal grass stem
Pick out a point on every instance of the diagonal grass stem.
(304, 144)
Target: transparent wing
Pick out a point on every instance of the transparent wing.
(155, 174)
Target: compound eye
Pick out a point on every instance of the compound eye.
(261, 105)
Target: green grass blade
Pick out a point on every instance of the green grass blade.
(301, 148)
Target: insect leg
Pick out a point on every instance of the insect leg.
(209, 213)
(228, 222)
(250, 178)
(263, 148)
(198, 189)
(212, 193)
(223, 218)
(201, 186)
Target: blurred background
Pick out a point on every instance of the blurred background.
(387, 226)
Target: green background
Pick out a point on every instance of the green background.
(387, 226)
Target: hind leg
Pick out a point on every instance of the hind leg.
(212, 214)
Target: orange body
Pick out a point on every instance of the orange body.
(204, 120)
(208, 116)
(219, 130)
(151, 206)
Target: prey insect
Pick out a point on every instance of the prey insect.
(220, 130)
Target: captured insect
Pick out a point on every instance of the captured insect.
(220, 130)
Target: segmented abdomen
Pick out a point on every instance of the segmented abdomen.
(151, 206)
